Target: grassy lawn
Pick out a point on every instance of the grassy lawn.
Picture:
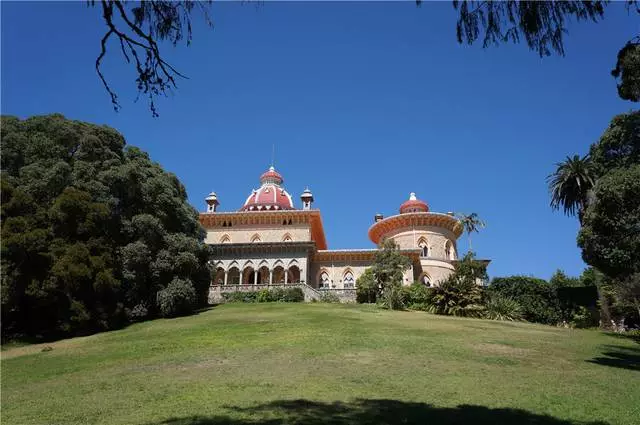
(325, 363)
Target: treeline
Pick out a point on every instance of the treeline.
(94, 235)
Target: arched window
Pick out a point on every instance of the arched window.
(287, 238)
(424, 249)
(449, 252)
(225, 239)
(325, 281)
(348, 281)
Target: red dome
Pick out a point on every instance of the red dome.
(270, 196)
(413, 205)
(271, 176)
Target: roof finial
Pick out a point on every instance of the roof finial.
(273, 156)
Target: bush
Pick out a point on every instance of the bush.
(416, 296)
(537, 298)
(366, 288)
(393, 298)
(179, 297)
(285, 295)
(499, 307)
(329, 297)
(240, 297)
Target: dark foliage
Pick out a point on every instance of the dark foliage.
(91, 232)
(461, 293)
(370, 412)
(536, 297)
(285, 295)
(610, 233)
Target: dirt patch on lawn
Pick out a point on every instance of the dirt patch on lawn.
(503, 350)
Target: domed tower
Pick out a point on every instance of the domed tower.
(270, 196)
(417, 228)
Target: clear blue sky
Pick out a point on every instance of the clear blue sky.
(365, 103)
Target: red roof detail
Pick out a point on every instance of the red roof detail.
(270, 196)
(413, 205)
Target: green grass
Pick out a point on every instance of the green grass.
(325, 363)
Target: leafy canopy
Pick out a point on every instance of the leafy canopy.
(93, 234)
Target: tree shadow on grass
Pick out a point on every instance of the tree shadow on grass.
(370, 412)
(619, 356)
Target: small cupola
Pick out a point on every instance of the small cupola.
(307, 199)
(212, 202)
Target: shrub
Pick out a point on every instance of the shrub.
(263, 296)
(179, 297)
(240, 297)
(537, 298)
(329, 297)
(499, 307)
(393, 298)
(416, 296)
(366, 288)
(460, 294)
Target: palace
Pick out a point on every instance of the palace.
(268, 241)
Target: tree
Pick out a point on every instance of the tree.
(471, 223)
(92, 232)
(610, 232)
(570, 185)
(385, 276)
(610, 235)
(139, 28)
(460, 294)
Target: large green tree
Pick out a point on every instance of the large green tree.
(610, 231)
(92, 231)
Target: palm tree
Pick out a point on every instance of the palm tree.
(571, 184)
(471, 223)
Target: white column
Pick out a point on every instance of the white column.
(255, 277)
(226, 275)
(270, 277)
(286, 276)
(240, 280)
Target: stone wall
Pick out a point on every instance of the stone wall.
(435, 237)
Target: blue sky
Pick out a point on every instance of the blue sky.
(365, 102)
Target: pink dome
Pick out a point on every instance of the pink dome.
(270, 196)
(413, 205)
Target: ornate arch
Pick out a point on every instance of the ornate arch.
(225, 239)
(323, 278)
(256, 238)
(423, 245)
(449, 250)
(425, 279)
(348, 278)
(287, 238)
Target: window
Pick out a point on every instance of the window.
(424, 249)
(325, 282)
(348, 280)
(449, 252)
(287, 238)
